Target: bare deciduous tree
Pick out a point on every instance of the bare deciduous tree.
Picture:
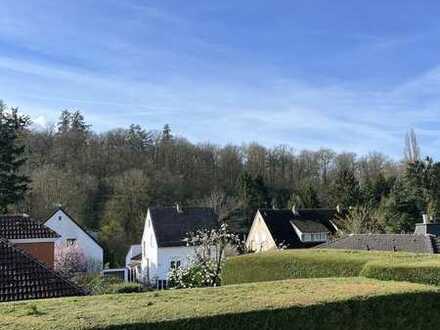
(412, 149)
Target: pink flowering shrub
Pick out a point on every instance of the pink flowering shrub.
(70, 260)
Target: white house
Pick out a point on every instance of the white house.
(133, 263)
(163, 241)
(72, 233)
(292, 229)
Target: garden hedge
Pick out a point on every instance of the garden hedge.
(314, 263)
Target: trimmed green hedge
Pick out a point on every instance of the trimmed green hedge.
(423, 272)
(280, 265)
(313, 263)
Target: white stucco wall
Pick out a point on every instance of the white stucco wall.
(149, 262)
(168, 254)
(259, 238)
(61, 223)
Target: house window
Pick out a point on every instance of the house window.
(60, 218)
(70, 241)
(175, 264)
(307, 237)
(315, 237)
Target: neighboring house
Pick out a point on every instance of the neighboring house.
(71, 232)
(424, 240)
(22, 277)
(30, 236)
(27, 260)
(163, 241)
(302, 228)
(133, 263)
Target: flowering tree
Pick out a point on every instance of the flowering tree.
(70, 260)
(205, 267)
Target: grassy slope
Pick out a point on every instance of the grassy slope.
(351, 302)
(313, 263)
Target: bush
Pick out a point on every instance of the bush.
(280, 265)
(97, 284)
(124, 288)
(193, 276)
(427, 273)
(313, 263)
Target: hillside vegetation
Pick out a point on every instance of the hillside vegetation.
(351, 303)
(107, 180)
(313, 263)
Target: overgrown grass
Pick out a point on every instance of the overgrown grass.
(314, 263)
(349, 303)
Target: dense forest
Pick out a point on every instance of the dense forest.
(108, 180)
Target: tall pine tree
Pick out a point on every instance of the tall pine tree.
(13, 184)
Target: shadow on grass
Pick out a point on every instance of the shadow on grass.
(399, 311)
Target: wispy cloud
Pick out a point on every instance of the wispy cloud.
(147, 64)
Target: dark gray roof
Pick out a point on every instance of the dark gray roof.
(23, 227)
(280, 226)
(24, 277)
(171, 227)
(310, 226)
(383, 242)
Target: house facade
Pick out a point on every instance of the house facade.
(133, 263)
(71, 232)
(163, 241)
(27, 261)
(302, 228)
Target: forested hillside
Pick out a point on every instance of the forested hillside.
(108, 180)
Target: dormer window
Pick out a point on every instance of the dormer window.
(313, 237)
(309, 231)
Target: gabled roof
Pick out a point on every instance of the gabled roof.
(383, 242)
(23, 227)
(24, 277)
(87, 232)
(171, 227)
(279, 223)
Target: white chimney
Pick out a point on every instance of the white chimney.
(425, 219)
(179, 208)
(294, 211)
(338, 208)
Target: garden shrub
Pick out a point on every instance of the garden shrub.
(427, 273)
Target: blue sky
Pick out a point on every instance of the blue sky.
(348, 75)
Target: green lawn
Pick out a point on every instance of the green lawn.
(332, 303)
(314, 263)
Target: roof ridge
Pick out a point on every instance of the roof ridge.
(83, 228)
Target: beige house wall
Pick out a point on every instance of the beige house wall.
(260, 238)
